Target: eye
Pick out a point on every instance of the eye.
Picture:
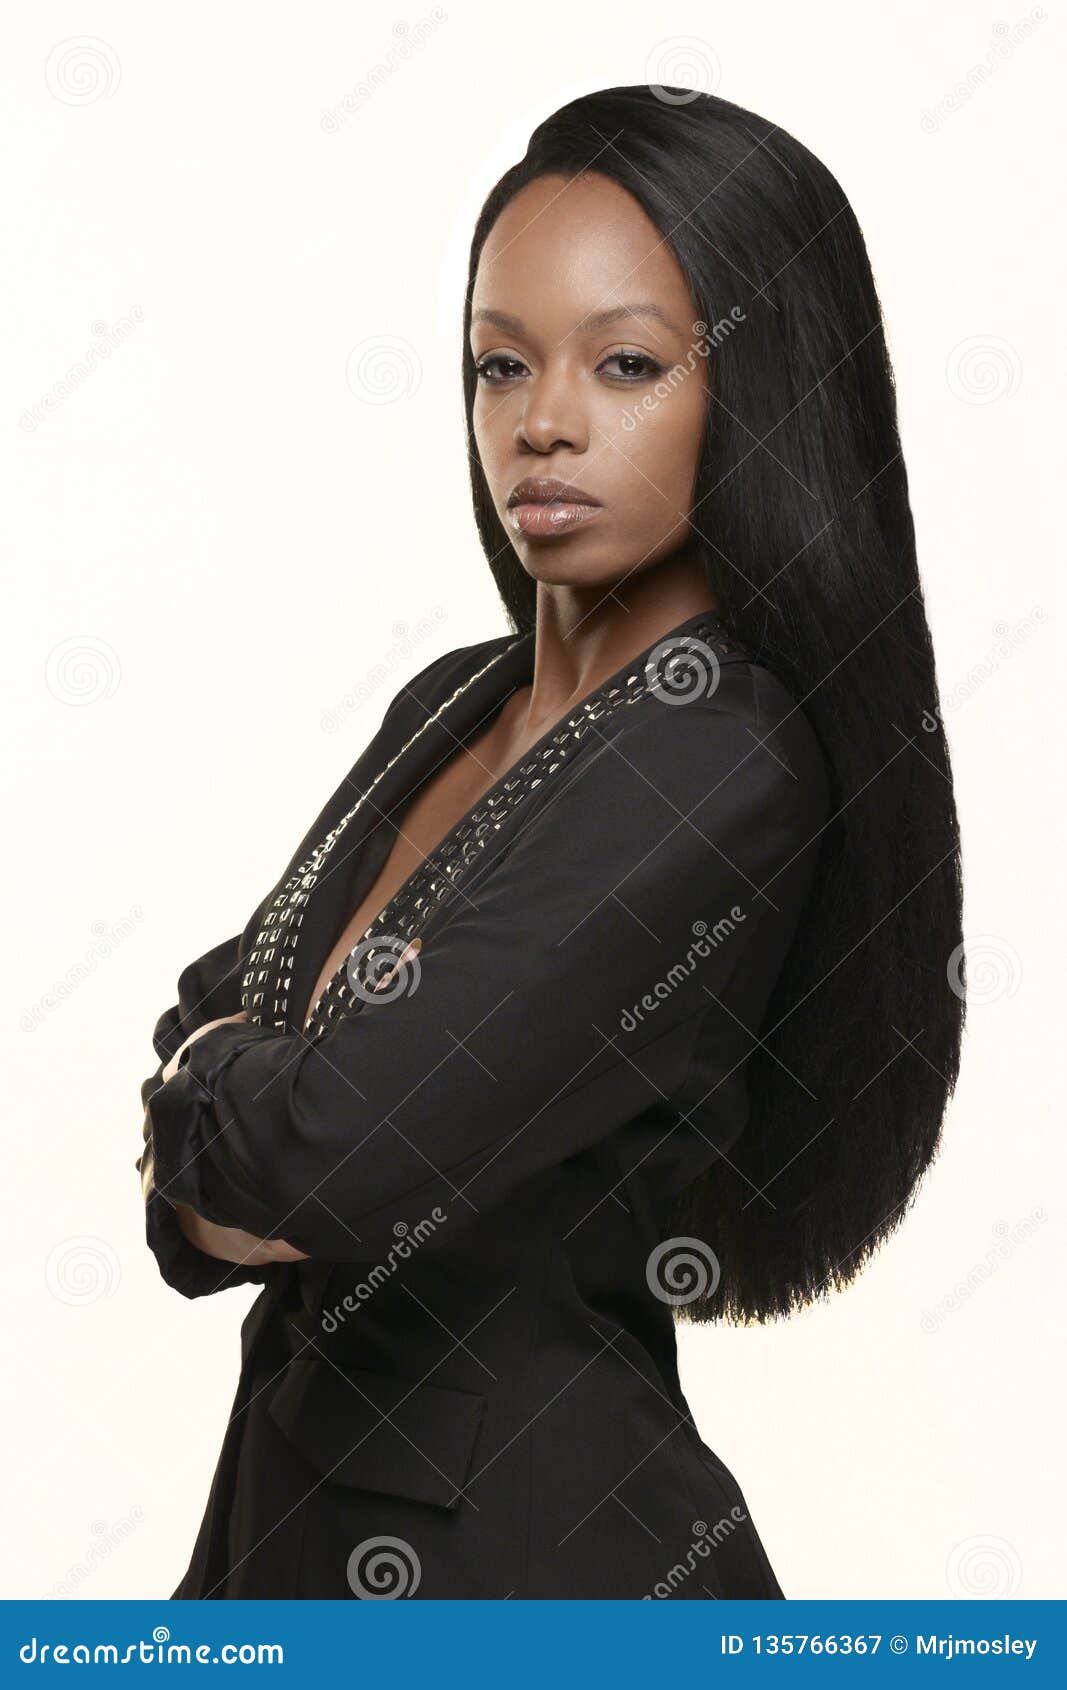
(646, 368)
(485, 366)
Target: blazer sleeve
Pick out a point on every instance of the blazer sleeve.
(455, 1093)
(207, 988)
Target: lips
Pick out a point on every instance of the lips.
(546, 490)
(540, 507)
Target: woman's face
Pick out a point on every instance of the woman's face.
(591, 373)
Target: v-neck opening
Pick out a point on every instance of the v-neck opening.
(521, 653)
(400, 810)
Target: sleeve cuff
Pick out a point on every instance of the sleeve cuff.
(182, 1266)
(178, 1124)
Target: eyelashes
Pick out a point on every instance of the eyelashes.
(484, 366)
(648, 368)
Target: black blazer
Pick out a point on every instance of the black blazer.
(471, 1389)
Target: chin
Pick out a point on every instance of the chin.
(558, 565)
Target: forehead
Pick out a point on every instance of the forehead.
(561, 249)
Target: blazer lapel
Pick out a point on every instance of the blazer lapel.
(343, 861)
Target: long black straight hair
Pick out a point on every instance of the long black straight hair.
(801, 508)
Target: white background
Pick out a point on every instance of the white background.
(226, 555)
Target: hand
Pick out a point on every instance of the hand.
(226, 1243)
(230, 1244)
(171, 1068)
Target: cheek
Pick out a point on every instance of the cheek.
(657, 436)
(493, 424)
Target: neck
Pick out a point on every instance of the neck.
(585, 633)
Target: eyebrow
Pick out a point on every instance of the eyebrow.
(595, 319)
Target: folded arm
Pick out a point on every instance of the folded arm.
(455, 1094)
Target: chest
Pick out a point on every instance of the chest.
(426, 820)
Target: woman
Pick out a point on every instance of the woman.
(613, 980)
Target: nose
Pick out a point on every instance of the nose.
(553, 413)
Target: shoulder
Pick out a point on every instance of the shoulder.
(740, 742)
(434, 683)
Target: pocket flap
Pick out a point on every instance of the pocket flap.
(336, 1417)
